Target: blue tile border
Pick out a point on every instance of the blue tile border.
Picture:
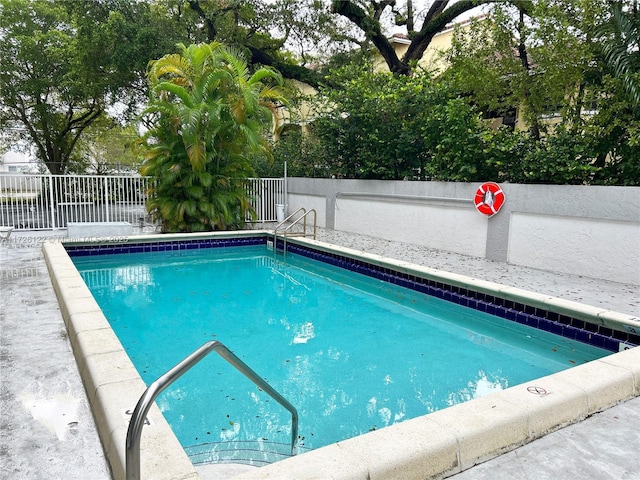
(569, 327)
(553, 322)
(176, 245)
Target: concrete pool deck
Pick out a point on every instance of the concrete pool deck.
(48, 432)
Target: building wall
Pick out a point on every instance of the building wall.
(301, 117)
(583, 230)
(15, 162)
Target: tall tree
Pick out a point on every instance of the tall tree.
(538, 63)
(614, 127)
(288, 35)
(367, 14)
(63, 63)
(105, 148)
(207, 113)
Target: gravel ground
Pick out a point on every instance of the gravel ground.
(599, 293)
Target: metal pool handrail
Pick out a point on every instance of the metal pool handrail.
(134, 431)
(284, 222)
(294, 222)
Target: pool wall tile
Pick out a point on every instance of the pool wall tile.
(78, 250)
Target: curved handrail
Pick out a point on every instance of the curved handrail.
(134, 432)
(301, 209)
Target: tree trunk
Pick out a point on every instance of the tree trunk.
(524, 60)
(437, 19)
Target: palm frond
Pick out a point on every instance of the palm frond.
(274, 94)
(172, 65)
(179, 91)
(197, 153)
(621, 47)
(190, 119)
(266, 73)
(234, 58)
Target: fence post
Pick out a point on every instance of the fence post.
(52, 209)
(106, 198)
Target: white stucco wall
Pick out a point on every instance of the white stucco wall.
(597, 248)
(456, 229)
(319, 203)
(584, 230)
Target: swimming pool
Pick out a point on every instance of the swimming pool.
(448, 440)
(353, 353)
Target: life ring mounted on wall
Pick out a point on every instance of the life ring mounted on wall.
(489, 198)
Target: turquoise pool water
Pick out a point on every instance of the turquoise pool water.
(350, 352)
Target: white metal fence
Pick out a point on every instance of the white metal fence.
(46, 202)
(266, 194)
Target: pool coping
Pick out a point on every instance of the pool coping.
(435, 445)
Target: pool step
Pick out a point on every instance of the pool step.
(255, 453)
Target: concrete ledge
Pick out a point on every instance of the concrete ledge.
(629, 360)
(433, 450)
(112, 383)
(93, 343)
(99, 229)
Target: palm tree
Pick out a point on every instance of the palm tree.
(621, 46)
(206, 114)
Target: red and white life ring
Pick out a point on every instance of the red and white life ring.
(489, 198)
